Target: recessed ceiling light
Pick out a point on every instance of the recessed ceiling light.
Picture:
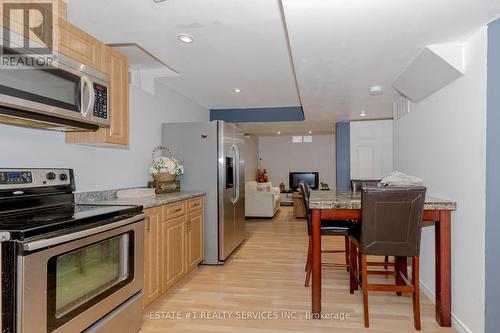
(376, 90)
(310, 132)
(237, 90)
(185, 38)
(363, 113)
(278, 133)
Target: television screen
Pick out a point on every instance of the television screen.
(312, 178)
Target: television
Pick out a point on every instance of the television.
(312, 178)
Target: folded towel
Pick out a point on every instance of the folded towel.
(397, 178)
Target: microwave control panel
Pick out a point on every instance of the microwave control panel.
(100, 101)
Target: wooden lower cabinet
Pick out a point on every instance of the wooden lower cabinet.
(195, 237)
(173, 245)
(173, 250)
(152, 277)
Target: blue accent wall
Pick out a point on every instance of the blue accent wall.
(288, 113)
(343, 155)
(492, 292)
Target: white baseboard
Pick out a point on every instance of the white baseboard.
(455, 321)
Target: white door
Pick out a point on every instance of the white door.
(371, 149)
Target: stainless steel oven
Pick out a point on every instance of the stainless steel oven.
(81, 281)
(69, 97)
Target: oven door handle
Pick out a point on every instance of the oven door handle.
(43, 243)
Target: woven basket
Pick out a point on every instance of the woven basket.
(162, 176)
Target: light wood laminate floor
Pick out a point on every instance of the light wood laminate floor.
(265, 278)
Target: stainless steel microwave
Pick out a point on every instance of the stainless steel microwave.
(71, 97)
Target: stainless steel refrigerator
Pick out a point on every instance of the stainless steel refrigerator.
(213, 158)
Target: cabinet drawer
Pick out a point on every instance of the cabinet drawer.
(174, 210)
(194, 204)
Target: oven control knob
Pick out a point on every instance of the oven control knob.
(63, 177)
(51, 176)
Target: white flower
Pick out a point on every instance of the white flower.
(169, 164)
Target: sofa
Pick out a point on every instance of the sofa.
(261, 199)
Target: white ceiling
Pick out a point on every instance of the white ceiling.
(237, 44)
(289, 128)
(339, 48)
(342, 47)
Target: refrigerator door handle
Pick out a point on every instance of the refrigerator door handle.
(236, 170)
(237, 173)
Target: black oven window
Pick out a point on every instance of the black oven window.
(81, 278)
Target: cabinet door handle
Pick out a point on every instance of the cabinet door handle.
(148, 224)
(177, 210)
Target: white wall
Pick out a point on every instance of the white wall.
(103, 168)
(371, 148)
(443, 141)
(281, 156)
(251, 157)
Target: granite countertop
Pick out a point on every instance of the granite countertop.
(109, 198)
(349, 200)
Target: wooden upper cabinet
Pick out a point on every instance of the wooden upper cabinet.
(117, 67)
(17, 17)
(63, 10)
(80, 46)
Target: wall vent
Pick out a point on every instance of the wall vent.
(400, 107)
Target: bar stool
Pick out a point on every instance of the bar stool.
(391, 226)
(328, 228)
(357, 186)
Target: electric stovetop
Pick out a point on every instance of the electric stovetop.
(61, 219)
